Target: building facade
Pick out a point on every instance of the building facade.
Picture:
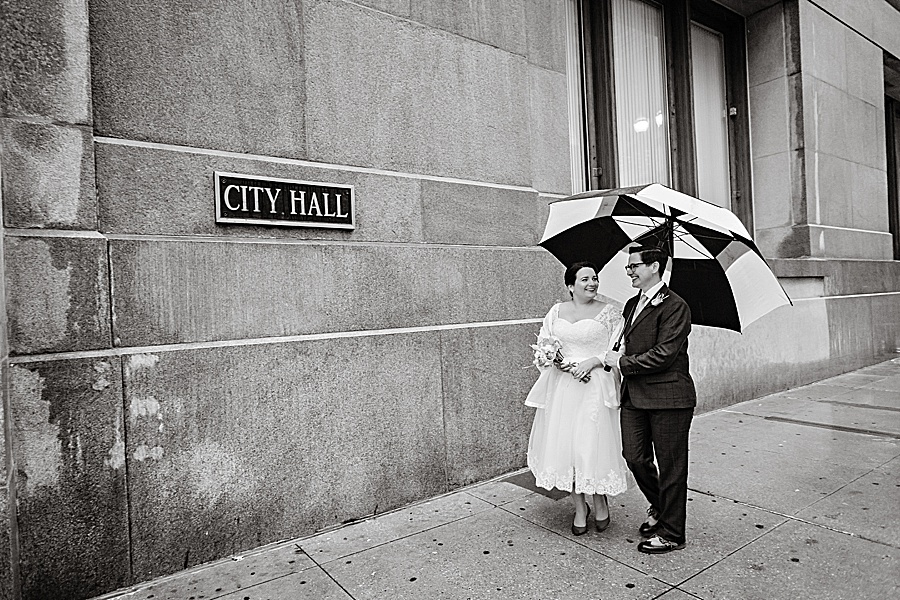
(178, 388)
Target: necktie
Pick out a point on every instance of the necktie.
(640, 306)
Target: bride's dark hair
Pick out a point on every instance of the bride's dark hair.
(572, 271)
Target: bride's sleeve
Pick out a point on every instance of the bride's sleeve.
(616, 324)
(547, 325)
(537, 396)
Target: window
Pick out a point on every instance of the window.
(892, 128)
(666, 98)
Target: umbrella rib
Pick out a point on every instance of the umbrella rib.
(694, 218)
(701, 250)
(653, 220)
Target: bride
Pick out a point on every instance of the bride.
(576, 443)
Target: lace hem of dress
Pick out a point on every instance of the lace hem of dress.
(613, 484)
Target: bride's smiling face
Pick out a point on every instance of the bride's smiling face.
(586, 283)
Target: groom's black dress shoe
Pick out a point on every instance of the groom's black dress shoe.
(659, 545)
(582, 530)
(646, 529)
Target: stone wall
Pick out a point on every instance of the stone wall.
(175, 391)
(817, 114)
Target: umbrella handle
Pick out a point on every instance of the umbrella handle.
(615, 349)
(618, 343)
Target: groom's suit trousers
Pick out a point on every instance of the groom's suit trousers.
(664, 433)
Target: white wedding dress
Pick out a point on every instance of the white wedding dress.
(576, 440)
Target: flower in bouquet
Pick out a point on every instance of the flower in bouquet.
(545, 351)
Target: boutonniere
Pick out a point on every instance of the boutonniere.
(658, 299)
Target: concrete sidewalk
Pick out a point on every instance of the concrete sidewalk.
(792, 496)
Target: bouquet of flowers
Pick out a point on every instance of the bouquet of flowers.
(547, 353)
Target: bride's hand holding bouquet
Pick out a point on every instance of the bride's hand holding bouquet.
(547, 353)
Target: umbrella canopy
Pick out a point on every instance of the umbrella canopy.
(714, 265)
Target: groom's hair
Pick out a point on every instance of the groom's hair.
(650, 255)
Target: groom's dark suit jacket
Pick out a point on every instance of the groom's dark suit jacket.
(655, 363)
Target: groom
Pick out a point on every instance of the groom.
(658, 398)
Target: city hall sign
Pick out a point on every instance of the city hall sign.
(256, 200)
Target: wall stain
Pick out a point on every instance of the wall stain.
(116, 458)
(143, 406)
(138, 362)
(102, 383)
(37, 437)
(142, 453)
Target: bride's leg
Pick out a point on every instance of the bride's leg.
(581, 509)
(601, 506)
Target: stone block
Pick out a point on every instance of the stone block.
(314, 582)
(886, 325)
(68, 441)
(493, 554)
(370, 533)
(233, 447)
(878, 21)
(708, 539)
(497, 24)
(771, 355)
(865, 68)
(7, 583)
(168, 292)
(850, 243)
(487, 426)
(864, 420)
(57, 294)
(446, 105)
(546, 33)
(401, 8)
(864, 507)
(217, 580)
(45, 71)
(772, 190)
(822, 45)
(783, 242)
(834, 187)
(769, 114)
(825, 116)
(48, 176)
(766, 45)
(457, 213)
(797, 560)
(857, 132)
(550, 160)
(842, 125)
(869, 206)
(850, 328)
(229, 76)
(871, 153)
(152, 191)
(737, 433)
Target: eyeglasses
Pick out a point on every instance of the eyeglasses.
(630, 267)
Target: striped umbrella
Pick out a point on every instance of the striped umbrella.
(714, 264)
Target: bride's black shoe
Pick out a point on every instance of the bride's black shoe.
(601, 525)
(582, 530)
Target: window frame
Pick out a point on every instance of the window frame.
(601, 142)
(892, 146)
(892, 132)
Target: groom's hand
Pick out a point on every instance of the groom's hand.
(612, 358)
